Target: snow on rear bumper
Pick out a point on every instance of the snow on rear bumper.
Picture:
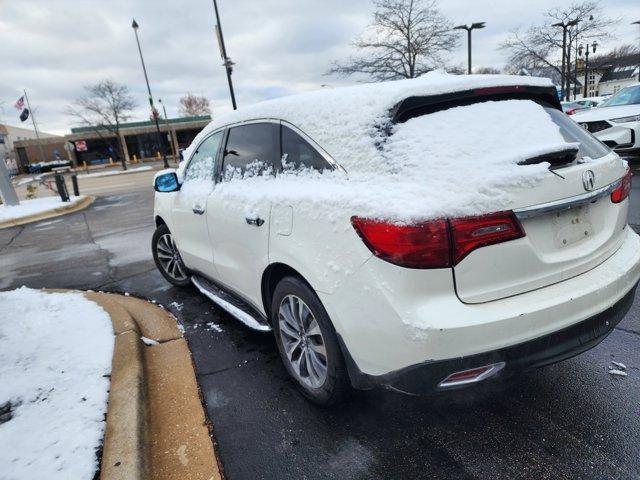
(377, 312)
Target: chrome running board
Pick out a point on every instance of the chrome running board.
(231, 305)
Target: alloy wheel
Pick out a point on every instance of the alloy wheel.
(169, 258)
(302, 341)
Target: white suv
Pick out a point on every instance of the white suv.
(418, 235)
(616, 121)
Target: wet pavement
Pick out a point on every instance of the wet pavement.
(571, 420)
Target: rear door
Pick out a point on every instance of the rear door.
(239, 232)
(571, 225)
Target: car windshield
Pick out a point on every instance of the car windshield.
(626, 96)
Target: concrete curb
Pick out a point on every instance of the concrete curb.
(54, 212)
(156, 426)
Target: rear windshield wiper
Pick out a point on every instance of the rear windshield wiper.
(557, 159)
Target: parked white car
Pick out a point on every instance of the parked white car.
(409, 234)
(616, 121)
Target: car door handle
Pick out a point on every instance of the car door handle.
(198, 210)
(256, 221)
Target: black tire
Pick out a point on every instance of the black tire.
(336, 387)
(158, 241)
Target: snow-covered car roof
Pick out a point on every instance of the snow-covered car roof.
(345, 121)
(411, 168)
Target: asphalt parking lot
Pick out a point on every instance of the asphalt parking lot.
(571, 420)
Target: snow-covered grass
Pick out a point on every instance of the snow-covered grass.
(35, 206)
(116, 172)
(55, 358)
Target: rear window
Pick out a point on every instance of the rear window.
(590, 146)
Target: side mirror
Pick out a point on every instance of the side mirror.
(166, 182)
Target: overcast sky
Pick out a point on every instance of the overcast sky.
(54, 47)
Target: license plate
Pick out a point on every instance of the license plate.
(572, 226)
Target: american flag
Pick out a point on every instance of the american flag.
(20, 103)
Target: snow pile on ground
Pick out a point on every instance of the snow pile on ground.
(55, 358)
(459, 161)
(35, 206)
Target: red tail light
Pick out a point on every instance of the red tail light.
(471, 233)
(622, 192)
(571, 111)
(423, 245)
(437, 243)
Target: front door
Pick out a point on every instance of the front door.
(189, 210)
(238, 226)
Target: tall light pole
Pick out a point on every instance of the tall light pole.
(154, 112)
(169, 132)
(468, 28)
(563, 75)
(586, 63)
(228, 64)
(638, 23)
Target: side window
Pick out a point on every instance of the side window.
(256, 146)
(299, 154)
(202, 164)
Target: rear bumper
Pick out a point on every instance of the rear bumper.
(555, 347)
(392, 321)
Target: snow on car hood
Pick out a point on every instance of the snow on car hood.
(606, 113)
(460, 161)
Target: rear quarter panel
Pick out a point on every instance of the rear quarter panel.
(324, 248)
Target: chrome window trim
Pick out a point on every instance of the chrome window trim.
(195, 150)
(566, 203)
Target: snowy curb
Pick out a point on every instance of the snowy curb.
(71, 207)
(156, 426)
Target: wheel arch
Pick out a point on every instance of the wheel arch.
(159, 221)
(270, 278)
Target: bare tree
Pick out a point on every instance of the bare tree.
(193, 106)
(405, 39)
(540, 46)
(487, 71)
(104, 107)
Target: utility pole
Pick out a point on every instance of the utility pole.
(35, 126)
(154, 112)
(575, 72)
(563, 76)
(473, 26)
(638, 23)
(228, 64)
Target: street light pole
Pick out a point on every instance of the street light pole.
(154, 112)
(228, 64)
(468, 28)
(563, 73)
(638, 23)
(586, 63)
(169, 131)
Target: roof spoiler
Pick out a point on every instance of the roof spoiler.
(415, 106)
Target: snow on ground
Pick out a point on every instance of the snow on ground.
(115, 172)
(55, 358)
(35, 206)
(406, 171)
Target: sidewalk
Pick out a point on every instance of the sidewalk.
(156, 426)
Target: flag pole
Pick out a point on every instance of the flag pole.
(35, 128)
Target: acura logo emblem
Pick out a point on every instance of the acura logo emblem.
(588, 180)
